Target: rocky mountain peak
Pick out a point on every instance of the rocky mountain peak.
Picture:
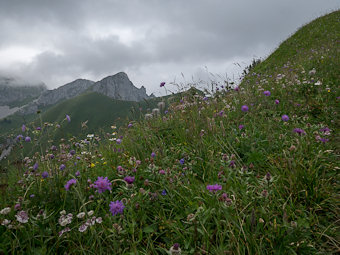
(119, 87)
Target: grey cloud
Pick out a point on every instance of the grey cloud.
(175, 34)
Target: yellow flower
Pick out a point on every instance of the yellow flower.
(92, 165)
(105, 163)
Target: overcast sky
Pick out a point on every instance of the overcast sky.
(58, 41)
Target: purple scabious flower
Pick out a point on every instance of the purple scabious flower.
(68, 118)
(129, 179)
(221, 113)
(130, 125)
(267, 93)
(116, 207)
(153, 155)
(23, 128)
(244, 108)
(299, 131)
(118, 141)
(44, 174)
(161, 171)
(214, 188)
(102, 184)
(77, 173)
(181, 161)
(324, 140)
(35, 166)
(325, 130)
(285, 117)
(19, 137)
(62, 167)
(72, 152)
(163, 192)
(70, 183)
(27, 139)
(162, 84)
(241, 127)
(277, 101)
(38, 128)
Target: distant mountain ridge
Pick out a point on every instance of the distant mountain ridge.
(117, 86)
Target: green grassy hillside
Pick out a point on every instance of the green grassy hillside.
(248, 171)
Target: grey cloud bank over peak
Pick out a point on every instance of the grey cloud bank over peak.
(152, 41)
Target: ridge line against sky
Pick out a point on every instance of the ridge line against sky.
(152, 41)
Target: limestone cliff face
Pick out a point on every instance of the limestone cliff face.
(119, 87)
(66, 91)
(51, 97)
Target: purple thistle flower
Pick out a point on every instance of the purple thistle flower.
(44, 174)
(161, 171)
(244, 108)
(221, 113)
(129, 179)
(236, 89)
(116, 207)
(299, 131)
(162, 84)
(267, 93)
(102, 184)
(62, 167)
(72, 152)
(182, 161)
(70, 183)
(27, 139)
(277, 101)
(214, 188)
(285, 117)
(23, 128)
(38, 128)
(241, 127)
(68, 118)
(153, 155)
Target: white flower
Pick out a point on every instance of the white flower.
(22, 217)
(80, 215)
(65, 219)
(5, 222)
(312, 72)
(6, 210)
(99, 220)
(318, 83)
(63, 212)
(82, 228)
(90, 135)
(90, 213)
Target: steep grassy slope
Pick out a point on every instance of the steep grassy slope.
(250, 171)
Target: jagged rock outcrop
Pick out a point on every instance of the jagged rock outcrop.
(120, 87)
(51, 97)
